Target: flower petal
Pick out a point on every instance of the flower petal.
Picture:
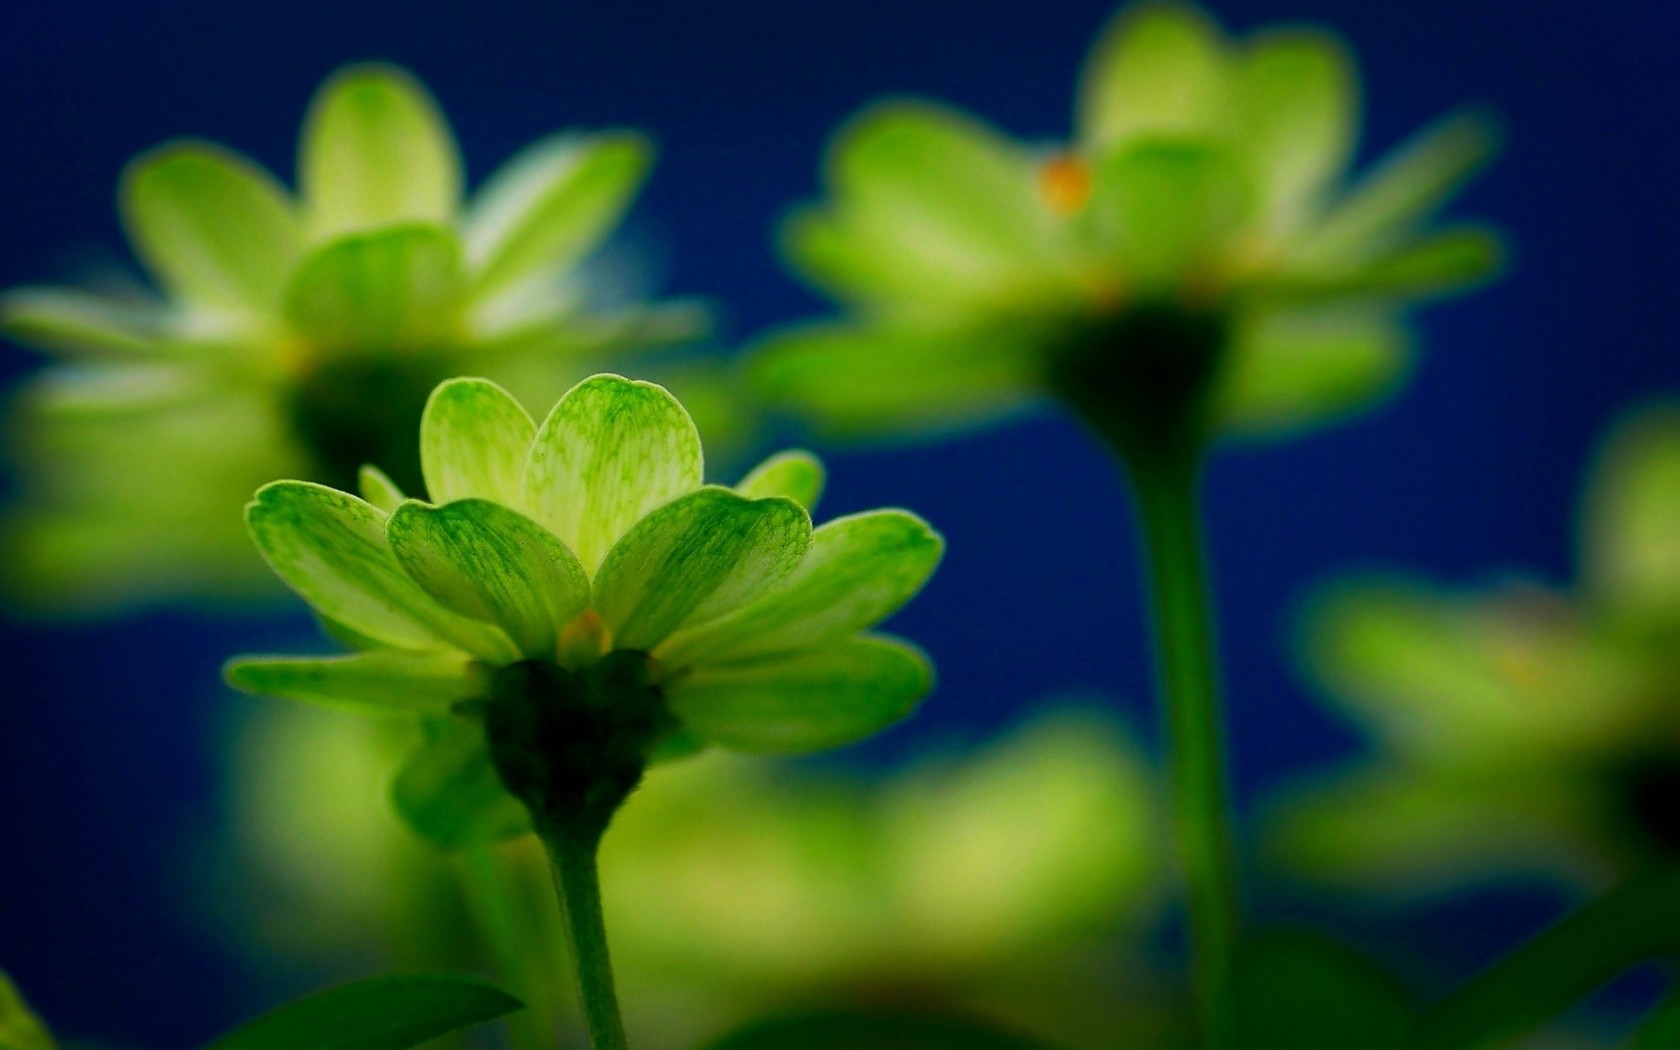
(385, 681)
(474, 439)
(796, 474)
(215, 228)
(1631, 532)
(939, 191)
(1437, 264)
(1164, 207)
(1291, 369)
(72, 321)
(1159, 68)
(698, 557)
(1297, 112)
(482, 560)
(376, 487)
(1401, 194)
(611, 451)
(451, 795)
(858, 379)
(376, 151)
(394, 290)
(859, 570)
(330, 548)
(807, 700)
(551, 205)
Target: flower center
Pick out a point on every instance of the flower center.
(1065, 184)
(353, 411)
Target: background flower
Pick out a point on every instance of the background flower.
(1521, 730)
(1201, 198)
(298, 336)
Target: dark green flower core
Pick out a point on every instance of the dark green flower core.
(1647, 791)
(572, 745)
(364, 410)
(1144, 378)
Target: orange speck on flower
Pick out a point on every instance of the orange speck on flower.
(1065, 184)
(585, 640)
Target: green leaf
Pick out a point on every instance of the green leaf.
(379, 1013)
(450, 794)
(696, 558)
(855, 1030)
(859, 570)
(20, 1029)
(856, 380)
(214, 228)
(1400, 195)
(1307, 993)
(609, 452)
(1631, 530)
(376, 151)
(383, 681)
(376, 487)
(807, 700)
(67, 320)
(1158, 68)
(483, 560)
(474, 439)
(388, 291)
(1634, 923)
(939, 191)
(1163, 207)
(796, 474)
(330, 548)
(551, 205)
(1291, 369)
(1296, 97)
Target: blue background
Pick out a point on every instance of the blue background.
(106, 732)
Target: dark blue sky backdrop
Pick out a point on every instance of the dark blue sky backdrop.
(105, 731)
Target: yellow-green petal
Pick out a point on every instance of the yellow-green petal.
(1435, 264)
(1291, 369)
(1158, 68)
(386, 292)
(330, 548)
(943, 192)
(483, 560)
(859, 570)
(861, 379)
(474, 439)
(807, 700)
(1631, 531)
(382, 682)
(449, 792)
(20, 1029)
(1401, 194)
(76, 322)
(216, 229)
(610, 451)
(796, 474)
(376, 151)
(1163, 208)
(696, 558)
(377, 488)
(551, 205)
(1297, 114)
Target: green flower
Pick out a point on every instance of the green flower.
(576, 603)
(1199, 212)
(1521, 730)
(20, 1029)
(298, 336)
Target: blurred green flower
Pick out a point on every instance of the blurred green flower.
(1521, 730)
(20, 1029)
(578, 580)
(740, 885)
(299, 336)
(1200, 210)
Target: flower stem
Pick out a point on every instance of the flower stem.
(572, 851)
(1166, 491)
